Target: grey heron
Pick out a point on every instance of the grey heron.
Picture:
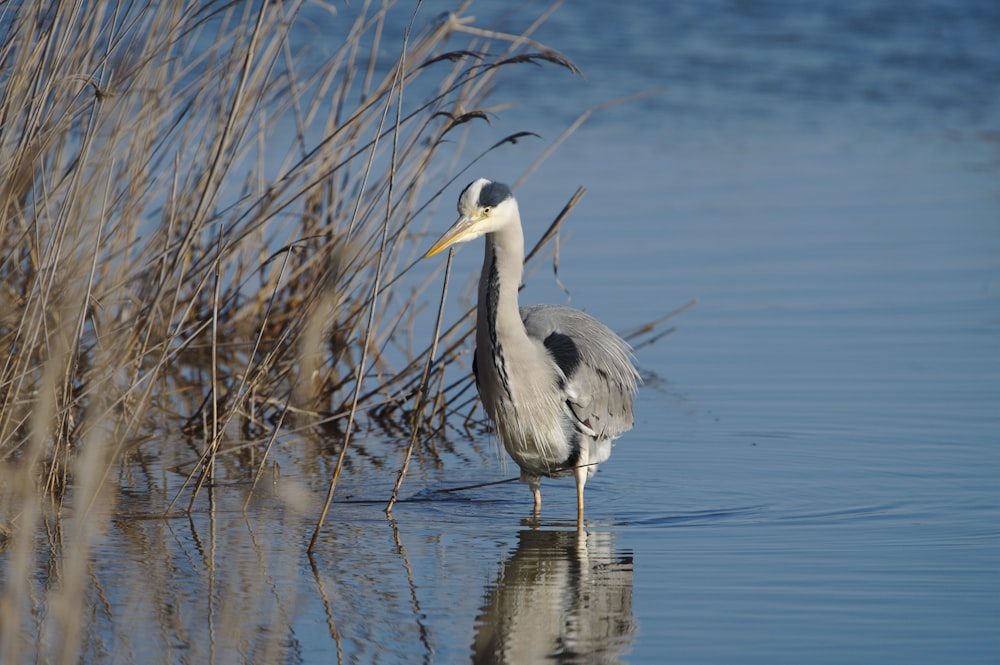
(556, 382)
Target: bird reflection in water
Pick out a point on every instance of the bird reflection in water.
(564, 596)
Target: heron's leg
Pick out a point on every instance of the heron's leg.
(581, 473)
(536, 491)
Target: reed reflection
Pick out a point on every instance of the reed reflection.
(563, 596)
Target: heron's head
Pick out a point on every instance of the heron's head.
(483, 207)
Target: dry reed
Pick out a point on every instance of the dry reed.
(205, 246)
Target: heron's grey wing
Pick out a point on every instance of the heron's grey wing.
(597, 364)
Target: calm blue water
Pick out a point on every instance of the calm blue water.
(814, 474)
(815, 471)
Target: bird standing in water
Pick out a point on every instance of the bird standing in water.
(557, 383)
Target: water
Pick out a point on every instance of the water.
(813, 474)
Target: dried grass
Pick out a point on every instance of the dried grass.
(176, 292)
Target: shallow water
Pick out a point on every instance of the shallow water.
(813, 474)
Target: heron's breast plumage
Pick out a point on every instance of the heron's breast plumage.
(527, 409)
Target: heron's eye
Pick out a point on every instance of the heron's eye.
(487, 211)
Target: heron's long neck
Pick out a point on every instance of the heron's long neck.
(499, 318)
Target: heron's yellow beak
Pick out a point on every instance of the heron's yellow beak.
(461, 231)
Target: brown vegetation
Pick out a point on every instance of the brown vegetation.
(205, 246)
